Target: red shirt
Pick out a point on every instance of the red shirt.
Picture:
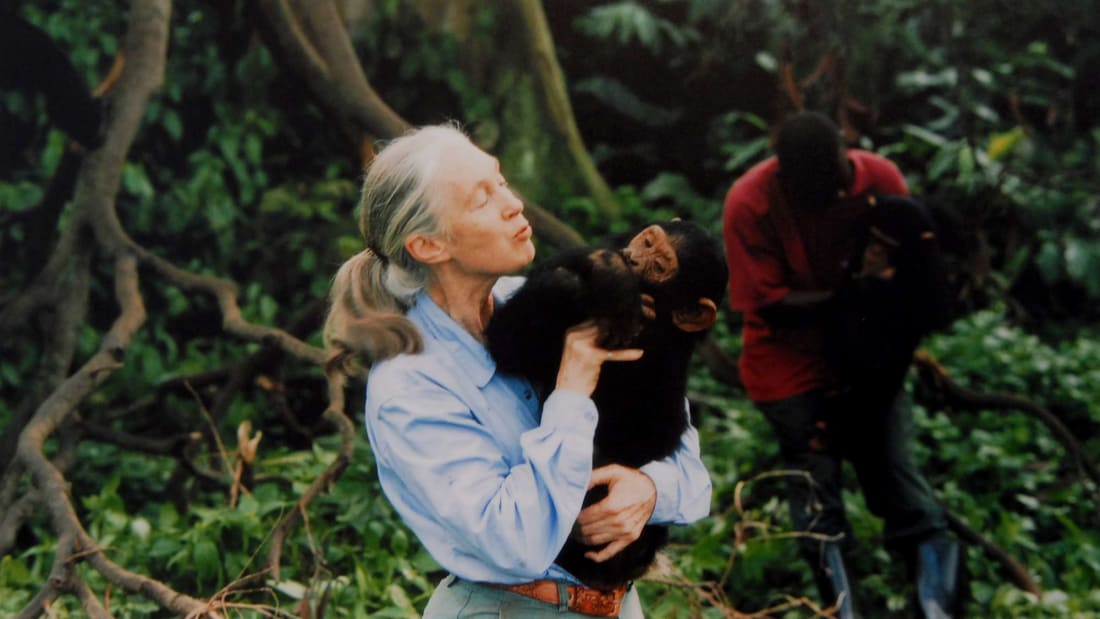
(772, 250)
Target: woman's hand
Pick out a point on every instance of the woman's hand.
(618, 519)
(582, 358)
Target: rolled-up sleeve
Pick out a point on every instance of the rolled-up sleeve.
(682, 481)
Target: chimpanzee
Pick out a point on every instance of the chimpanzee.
(896, 292)
(659, 292)
(31, 62)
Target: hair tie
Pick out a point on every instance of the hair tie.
(373, 249)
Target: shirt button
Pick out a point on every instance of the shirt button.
(527, 394)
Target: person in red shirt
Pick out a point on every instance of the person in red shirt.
(791, 224)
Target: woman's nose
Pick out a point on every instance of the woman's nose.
(513, 204)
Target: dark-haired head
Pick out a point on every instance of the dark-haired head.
(813, 164)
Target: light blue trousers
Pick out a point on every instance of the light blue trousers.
(457, 599)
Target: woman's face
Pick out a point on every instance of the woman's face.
(487, 233)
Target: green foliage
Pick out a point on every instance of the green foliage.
(235, 174)
(629, 22)
(615, 95)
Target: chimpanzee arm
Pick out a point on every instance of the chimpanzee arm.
(526, 334)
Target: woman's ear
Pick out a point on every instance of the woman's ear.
(429, 249)
(698, 317)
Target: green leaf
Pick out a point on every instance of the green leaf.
(135, 181)
(614, 94)
(1080, 260)
(945, 159)
(172, 124)
(766, 60)
(206, 558)
(745, 153)
(925, 135)
(1002, 144)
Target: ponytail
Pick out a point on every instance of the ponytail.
(365, 323)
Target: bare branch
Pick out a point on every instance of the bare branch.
(14, 515)
(1012, 568)
(958, 396)
(326, 479)
(551, 81)
(311, 38)
(158, 446)
(225, 292)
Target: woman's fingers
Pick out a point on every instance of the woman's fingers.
(582, 358)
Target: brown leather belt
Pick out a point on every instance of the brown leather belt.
(580, 599)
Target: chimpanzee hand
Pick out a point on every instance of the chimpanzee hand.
(615, 298)
(619, 518)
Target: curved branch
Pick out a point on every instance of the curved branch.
(58, 407)
(1012, 568)
(59, 328)
(88, 600)
(312, 41)
(225, 292)
(347, 448)
(14, 517)
(551, 229)
(169, 446)
(551, 80)
(56, 583)
(311, 38)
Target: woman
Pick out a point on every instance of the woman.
(490, 481)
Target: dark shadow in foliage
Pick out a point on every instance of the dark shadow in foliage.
(32, 63)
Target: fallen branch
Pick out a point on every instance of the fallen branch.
(1012, 568)
(933, 374)
(326, 479)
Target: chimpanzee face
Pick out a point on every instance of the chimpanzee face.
(652, 256)
(876, 261)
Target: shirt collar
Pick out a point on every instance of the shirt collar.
(468, 353)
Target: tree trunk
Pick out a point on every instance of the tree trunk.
(533, 130)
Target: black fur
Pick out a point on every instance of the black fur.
(875, 325)
(642, 404)
(32, 63)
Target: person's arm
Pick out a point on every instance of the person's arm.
(682, 482)
(675, 490)
(797, 307)
(451, 473)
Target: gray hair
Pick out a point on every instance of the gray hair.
(372, 290)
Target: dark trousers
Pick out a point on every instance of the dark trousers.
(816, 434)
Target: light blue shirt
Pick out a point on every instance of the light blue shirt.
(490, 485)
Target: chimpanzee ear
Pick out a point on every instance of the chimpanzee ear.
(696, 318)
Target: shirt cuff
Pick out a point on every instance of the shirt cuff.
(665, 476)
(571, 411)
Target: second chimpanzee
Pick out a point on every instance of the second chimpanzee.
(659, 292)
(896, 293)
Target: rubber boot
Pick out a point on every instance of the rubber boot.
(937, 577)
(832, 581)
